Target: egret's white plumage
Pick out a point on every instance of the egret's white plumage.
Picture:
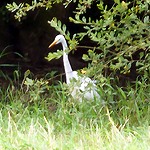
(81, 87)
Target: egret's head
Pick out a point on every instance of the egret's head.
(58, 39)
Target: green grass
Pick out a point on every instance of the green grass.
(43, 117)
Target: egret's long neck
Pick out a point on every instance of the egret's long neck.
(66, 62)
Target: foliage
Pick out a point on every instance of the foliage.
(120, 33)
(21, 9)
(50, 118)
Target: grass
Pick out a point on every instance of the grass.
(42, 117)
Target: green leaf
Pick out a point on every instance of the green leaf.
(146, 19)
(27, 73)
(117, 1)
(141, 55)
(85, 57)
(29, 82)
(54, 55)
(122, 93)
(84, 19)
(64, 28)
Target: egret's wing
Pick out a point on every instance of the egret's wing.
(83, 87)
(89, 88)
(87, 83)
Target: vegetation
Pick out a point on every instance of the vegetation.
(32, 119)
(36, 115)
(120, 34)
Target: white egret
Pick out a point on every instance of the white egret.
(81, 87)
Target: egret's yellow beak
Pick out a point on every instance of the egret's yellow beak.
(52, 44)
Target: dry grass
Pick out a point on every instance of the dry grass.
(39, 136)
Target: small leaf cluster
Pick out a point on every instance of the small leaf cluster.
(35, 88)
(62, 29)
(54, 55)
(21, 9)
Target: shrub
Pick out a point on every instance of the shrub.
(120, 33)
